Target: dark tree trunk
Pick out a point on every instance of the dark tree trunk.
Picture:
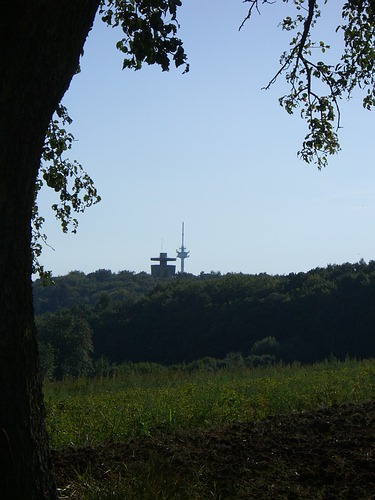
(40, 45)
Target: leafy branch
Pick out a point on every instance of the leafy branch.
(150, 28)
(307, 77)
(74, 186)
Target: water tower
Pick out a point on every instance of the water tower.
(182, 253)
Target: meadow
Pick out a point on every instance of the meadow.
(134, 402)
(151, 432)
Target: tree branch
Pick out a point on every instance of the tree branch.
(254, 3)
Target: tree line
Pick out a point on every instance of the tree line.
(303, 317)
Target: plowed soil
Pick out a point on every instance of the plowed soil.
(328, 453)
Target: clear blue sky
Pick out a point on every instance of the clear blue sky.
(212, 149)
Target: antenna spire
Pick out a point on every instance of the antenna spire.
(182, 253)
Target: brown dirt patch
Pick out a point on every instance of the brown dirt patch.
(328, 453)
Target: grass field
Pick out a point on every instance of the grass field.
(113, 435)
(129, 404)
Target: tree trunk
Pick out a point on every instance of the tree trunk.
(40, 45)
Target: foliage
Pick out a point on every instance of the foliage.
(257, 319)
(74, 186)
(316, 86)
(150, 29)
(67, 340)
(268, 345)
(99, 290)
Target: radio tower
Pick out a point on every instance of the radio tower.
(182, 253)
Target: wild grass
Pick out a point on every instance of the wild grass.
(116, 408)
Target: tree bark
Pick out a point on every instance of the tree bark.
(40, 45)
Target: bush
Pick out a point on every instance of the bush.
(266, 346)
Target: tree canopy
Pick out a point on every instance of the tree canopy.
(303, 317)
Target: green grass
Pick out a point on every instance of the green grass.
(90, 411)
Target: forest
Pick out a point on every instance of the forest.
(104, 319)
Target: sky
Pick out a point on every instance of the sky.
(211, 149)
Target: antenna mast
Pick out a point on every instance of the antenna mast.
(182, 253)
